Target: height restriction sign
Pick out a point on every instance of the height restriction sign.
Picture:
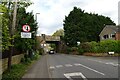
(26, 28)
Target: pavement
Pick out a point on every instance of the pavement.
(70, 67)
(38, 70)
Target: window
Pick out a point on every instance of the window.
(105, 36)
(112, 35)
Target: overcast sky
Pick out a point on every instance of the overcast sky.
(52, 12)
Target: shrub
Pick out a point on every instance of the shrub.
(80, 50)
(36, 56)
(23, 60)
(85, 46)
(73, 49)
(68, 50)
(17, 71)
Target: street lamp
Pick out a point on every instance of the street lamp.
(35, 33)
(36, 16)
(1, 17)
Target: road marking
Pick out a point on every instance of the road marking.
(112, 64)
(59, 66)
(52, 67)
(77, 64)
(105, 62)
(96, 60)
(68, 65)
(69, 75)
(92, 69)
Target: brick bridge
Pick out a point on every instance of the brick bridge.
(47, 39)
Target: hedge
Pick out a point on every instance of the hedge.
(100, 47)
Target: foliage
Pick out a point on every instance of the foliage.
(84, 27)
(53, 46)
(84, 47)
(7, 9)
(68, 50)
(59, 32)
(4, 28)
(25, 18)
(101, 47)
(17, 71)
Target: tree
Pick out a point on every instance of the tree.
(4, 28)
(25, 18)
(82, 26)
(59, 32)
(8, 27)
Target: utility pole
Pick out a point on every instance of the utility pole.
(12, 34)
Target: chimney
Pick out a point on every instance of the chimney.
(43, 36)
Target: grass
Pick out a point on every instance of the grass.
(17, 71)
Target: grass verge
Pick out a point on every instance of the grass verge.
(17, 70)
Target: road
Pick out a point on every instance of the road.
(73, 67)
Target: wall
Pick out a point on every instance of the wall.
(15, 60)
(117, 36)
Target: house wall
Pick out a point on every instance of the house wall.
(117, 36)
(109, 37)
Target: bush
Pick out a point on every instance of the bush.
(17, 71)
(85, 47)
(105, 46)
(100, 47)
(73, 49)
(40, 51)
(23, 60)
(80, 50)
(68, 50)
(36, 56)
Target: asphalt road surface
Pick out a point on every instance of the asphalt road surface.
(73, 67)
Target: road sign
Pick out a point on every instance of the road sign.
(26, 28)
(25, 35)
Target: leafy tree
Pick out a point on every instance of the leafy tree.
(4, 28)
(7, 37)
(25, 18)
(82, 26)
(59, 32)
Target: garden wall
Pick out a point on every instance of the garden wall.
(15, 60)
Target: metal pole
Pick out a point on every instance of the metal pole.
(36, 32)
(12, 34)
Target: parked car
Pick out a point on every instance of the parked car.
(51, 51)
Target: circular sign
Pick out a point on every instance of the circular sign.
(26, 28)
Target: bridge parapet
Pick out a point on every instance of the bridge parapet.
(52, 38)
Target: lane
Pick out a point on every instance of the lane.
(111, 71)
(38, 70)
(68, 64)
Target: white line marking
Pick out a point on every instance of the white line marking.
(96, 60)
(59, 66)
(68, 65)
(52, 67)
(112, 64)
(77, 64)
(93, 69)
(69, 75)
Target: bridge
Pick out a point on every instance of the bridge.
(45, 40)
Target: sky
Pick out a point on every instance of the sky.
(53, 12)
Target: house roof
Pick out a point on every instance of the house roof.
(109, 29)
